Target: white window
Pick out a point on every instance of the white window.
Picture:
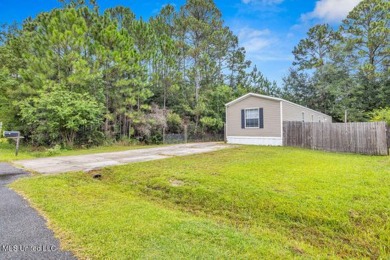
(252, 118)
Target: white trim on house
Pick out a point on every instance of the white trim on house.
(226, 123)
(252, 94)
(270, 98)
(255, 140)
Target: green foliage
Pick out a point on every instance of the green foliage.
(298, 88)
(313, 52)
(382, 114)
(257, 83)
(59, 116)
(174, 123)
(347, 69)
(176, 61)
(186, 61)
(366, 37)
(56, 150)
(212, 123)
(246, 202)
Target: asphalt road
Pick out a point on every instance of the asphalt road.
(93, 161)
(23, 232)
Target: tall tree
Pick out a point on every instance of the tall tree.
(166, 72)
(314, 51)
(314, 60)
(298, 88)
(366, 32)
(258, 83)
(202, 21)
(128, 72)
(366, 37)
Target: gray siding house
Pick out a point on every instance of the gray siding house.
(258, 119)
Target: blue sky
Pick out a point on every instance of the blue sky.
(268, 29)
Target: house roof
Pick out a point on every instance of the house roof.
(270, 98)
(252, 95)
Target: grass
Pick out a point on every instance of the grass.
(7, 151)
(244, 202)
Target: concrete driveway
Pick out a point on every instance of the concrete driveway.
(94, 161)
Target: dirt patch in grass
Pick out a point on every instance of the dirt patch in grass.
(176, 183)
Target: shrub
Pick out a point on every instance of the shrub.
(53, 151)
(174, 123)
(382, 114)
(58, 116)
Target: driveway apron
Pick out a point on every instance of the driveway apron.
(23, 232)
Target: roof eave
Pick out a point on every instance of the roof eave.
(254, 95)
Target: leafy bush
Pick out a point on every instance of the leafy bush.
(382, 114)
(156, 138)
(53, 151)
(213, 124)
(58, 116)
(174, 123)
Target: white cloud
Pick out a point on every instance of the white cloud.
(261, 45)
(272, 57)
(269, 50)
(331, 11)
(265, 2)
(290, 35)
(254, 40)
(247, 32)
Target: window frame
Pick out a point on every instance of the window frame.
(258, 117)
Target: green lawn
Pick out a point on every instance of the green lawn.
(243, 203)
(7, 151)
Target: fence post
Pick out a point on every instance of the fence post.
(185, 134)
(17, 146)
(163, 135)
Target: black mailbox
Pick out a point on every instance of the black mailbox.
(11, 134)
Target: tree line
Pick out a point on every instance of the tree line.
(76, 75)
(81, 76)
(345, 70)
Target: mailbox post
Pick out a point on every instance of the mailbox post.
(15, 135)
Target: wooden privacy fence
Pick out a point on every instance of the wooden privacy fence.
(363, 138)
